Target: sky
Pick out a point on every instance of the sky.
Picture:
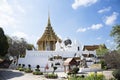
(87, 21)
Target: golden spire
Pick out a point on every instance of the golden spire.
(49, 23)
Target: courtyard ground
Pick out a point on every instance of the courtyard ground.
(8, 74)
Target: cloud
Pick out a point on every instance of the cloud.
(93, 27)
(20, 9)
(110, 20)
(6, 13)
(10, 13)
(5, 7)
(99, 38)
(85, 3)
(81, 29)
(104, 10)
(96, 26)
(20, 34)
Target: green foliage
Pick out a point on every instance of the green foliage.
(101, 50)
(82, 77)
(19, 66)
(23, 65)
(116, 74)
(116, 34)
(3, 43)
(37, 68)
(103, 64)
(75, 70)
(51, 76)
(91, 76)
(28, 70)
(30, 46)
(37, 73)
(21, 69)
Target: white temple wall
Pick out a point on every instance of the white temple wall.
(41, 57)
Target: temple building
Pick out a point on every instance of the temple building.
(48, 40)
(52, 51)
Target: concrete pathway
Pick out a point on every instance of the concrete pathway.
(7, 74)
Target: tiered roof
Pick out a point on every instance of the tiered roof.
(49, 34)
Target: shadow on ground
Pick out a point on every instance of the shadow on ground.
(6, 74)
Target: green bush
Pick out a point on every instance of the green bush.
(103, 64)
(37, 73)
(51, 76)
(116, 74)
(75, 70)
(21, 69)
(19, 66)
(28, 70)
(37, 69)
(95, 76)
(77, 78)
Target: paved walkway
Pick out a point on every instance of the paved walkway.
(7, 74)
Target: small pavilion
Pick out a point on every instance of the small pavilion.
(69, 64)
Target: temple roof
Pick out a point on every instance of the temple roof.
(94, 47)
(49, 34)
(70, 61)
(90, 47)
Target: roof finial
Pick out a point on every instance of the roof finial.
(49, 23)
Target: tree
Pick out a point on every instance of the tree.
(18, 46)
(3, 43)
(112, 59)
(116, 34)
(102, 50)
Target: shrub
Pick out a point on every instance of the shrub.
(21, 69)
(91, 76)
(28, 70)
(116, 74)
(69, 73)
(37, 66)
(19, 66)
(75, 70)
(23, 65)
(51, 76)
(37, 69)
(37, 73)
(95, 76)
(77, 78)
(103, 64)
(29, 66)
